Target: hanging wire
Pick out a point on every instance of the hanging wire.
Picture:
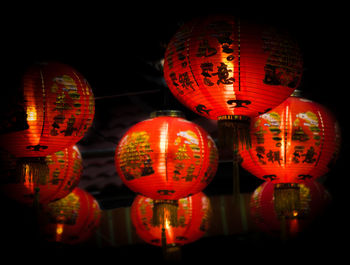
(105, 138)
(129, 94)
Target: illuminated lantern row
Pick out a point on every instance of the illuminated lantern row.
(287, 220)
(65, 169)
(72, 219)
(230, 70)
(193, 216)
(295, 141)
(166, 158)
(56, 109)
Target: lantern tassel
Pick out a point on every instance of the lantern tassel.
(288, 207)
(233, 130)
(283, 232)
(287, 199)
(165, 213)
(233, 133)
(163, 240)
(32, 171)
(235, 165)
(172, 253)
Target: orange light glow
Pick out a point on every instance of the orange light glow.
(28, 180)
(59, 232)
(169, 229)
(31, 113)
(294, 226)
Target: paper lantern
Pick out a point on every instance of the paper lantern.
(65, 169)
(279, 219)
(72, 219)
(53, 109)
(166, 157)
(193, 214)
(230, 70)
(297, 140)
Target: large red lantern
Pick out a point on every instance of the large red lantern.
(295, 141)
(193, 216)
(230, 70)
(280, 219)
(166, 158)
(65, 168)
(53, 109)
(72, 219)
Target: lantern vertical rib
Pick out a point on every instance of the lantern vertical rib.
(239, 53)
(44, 104)
(322, 137)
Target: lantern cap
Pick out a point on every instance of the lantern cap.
(297, 93)
(168, 113)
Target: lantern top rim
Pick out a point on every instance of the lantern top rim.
(297, 93)
(167, 113)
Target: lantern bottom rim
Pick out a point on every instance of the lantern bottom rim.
(234, 118)
(167, 113)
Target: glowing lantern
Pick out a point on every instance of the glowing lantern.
(231, 70)
(64, 171)
(166, 158)
(193, 216)
(295, 141)
(54, 108)
(72, 219)
(284, 219)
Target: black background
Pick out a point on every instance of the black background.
(117, 45)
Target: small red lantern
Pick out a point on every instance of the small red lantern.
(230, 70)
(72, 219)
(193, 216)
(65, 168)
(166, 158)
(53, 109)
(295, 141)
(278, 218)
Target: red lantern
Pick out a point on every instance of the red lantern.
(230, 70)
(297, 140)
(72, 219)
(166, 157)
(65, 168)
(193, 216)
(278, 218)
(54, 108)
